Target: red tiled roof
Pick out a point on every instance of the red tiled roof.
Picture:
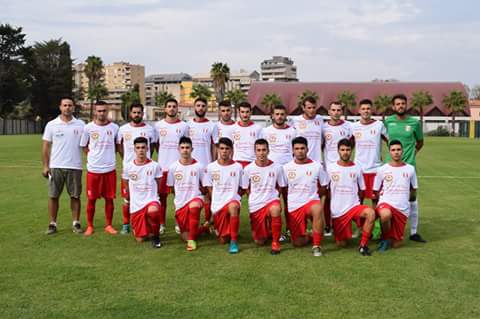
(328, 91)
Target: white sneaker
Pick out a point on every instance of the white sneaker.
(177, 229)
(328, 232)
(162, 229)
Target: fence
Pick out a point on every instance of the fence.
(12, 127)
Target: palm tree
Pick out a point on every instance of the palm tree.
(236, 96)
(220, 73)
(96, 87)
(201, 91)
(270, 100)
(128, 98)
(161, 97)
(455, 102)
(304, 95)
(382, 103)
(348, 100)
(420, 100)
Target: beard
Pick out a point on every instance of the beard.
(137, 120)
(399, 112)
(199, 114)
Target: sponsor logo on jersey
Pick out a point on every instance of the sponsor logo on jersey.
(358, 135)
(216, 176)
(236, 136)
(132, 176)
(302, 125)
(408, 128)
(291, 175)
(127, 136)
(256, 178)
(191, 132)
(389, 177)
(163, 132)
(335, 177)
(94, 136)
(178, 176)
(272, 138)
(328, 136)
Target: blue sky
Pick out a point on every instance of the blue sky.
(348, 40)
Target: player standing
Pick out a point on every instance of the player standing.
(279, 136)
(245, 133)
(226, 124)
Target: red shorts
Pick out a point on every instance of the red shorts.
(101, 185)
(221, 220)
(260, 221)
(139, 221)
(397, 222)
(164, 189)
(182, 216)
(297, 219)
(243, 163)
(123, 188)
(369, 178)
(342, 226)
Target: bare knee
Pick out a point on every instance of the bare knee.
(275, 211)
(341, 243)
(153, 209)
(260, 242)
(385, 215)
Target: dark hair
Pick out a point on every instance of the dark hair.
(366, 101)
(171, 100)
(101, 103)
(200, 99)
(336, 102)
(261, 141)
(185, 140)
(279, 107)
(244, 105)
(225, 103)
(67, 97)
(225, 141)
(395, 142)
(344, 142)
(310, 99)
(136, 104)
(402, 97)
(300, 140)
(140, 140)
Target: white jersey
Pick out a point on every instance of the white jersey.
(263, 183)
(368, 144)
(280, 143)
(185, 179)
(302, 181)
(169, 135)
(395, 183)
(128, 133)
(65, 137)
(101, 142)
(244, 138)
(345, 181)
(203, 134)
(312, 131)
(225, 130)
(331, 135)
(225, 183)
(142, 183)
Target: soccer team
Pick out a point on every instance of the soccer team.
(303, 166)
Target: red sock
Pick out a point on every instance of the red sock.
(126, 213)
(108, 211)
(317, 238)
(234, 226)
(208, 212)
(90, 211)
(154, 220)
(276, 228)
(365, 238)
(193, 220)
(163, 208)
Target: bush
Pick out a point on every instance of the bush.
(440, 131)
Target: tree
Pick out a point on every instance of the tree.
(14, 78)
(201, 91)
(50, 66)
(161, 97)
(420, 100)
(382, 103)
(455, 102)
(304, 95)
(236, 96)
(220, 73)
(348, 100)
(475, 92)
(270, 100)
(128, 98)
(96, 87)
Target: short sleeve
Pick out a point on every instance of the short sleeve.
(377, 183)
(413, 180)
(119, 136)
(85, 137)
(281, 181)
(323, 177)
(158, 171)
(384, 130)
(154, 136)
(418, 131)
(361, 180)
(171, 177)
(47, 134)
(207, 179)
(215, 133)
(245, 181)
(125, 172)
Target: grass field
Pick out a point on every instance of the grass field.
(69, 276)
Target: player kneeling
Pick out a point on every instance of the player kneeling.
(142, 178)
(304, 176)
(261, 179)
(346, 191)
(184, 177)
(396, 182)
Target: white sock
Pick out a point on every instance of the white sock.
(413, 217)
(53, 223)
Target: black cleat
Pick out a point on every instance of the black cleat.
(156, 242)
(52, 229)
(416, 237)
(77, 229)
(364, 251)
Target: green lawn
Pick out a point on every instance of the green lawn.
(69, 276)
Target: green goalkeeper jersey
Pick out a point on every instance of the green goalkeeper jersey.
(408, 131)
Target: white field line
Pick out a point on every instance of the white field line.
(449, 177)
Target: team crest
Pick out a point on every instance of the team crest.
(389, 177)
(408, 128)
(358, 135)
(272, 138)
(291, 175)
(236, 136)
(128, 137)
(94, 136)
(178, 176)
(256, 178)
(215, 176)
(328, 136)
(163, 132)
(335, 177)
(133, 176)
(191, 132)
(302, 125)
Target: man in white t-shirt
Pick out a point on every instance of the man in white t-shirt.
(279, 136)
(346, 192)
(126, 135)
(169, 131)
(396, 186)
(62, 162)
(306, 182)
(184, 177)
(99, 142)
(261, 180)
(226, 124)
(245, 133)
(222, 180)
(142, 178)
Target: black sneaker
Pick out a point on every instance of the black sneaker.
(77, 229)
(364, 251)
(52, 229)
(416, 237)
(156, 242)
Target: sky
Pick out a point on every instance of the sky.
(347, 40)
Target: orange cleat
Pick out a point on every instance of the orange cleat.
(275, 248)
(110, 230)
(89, 231)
